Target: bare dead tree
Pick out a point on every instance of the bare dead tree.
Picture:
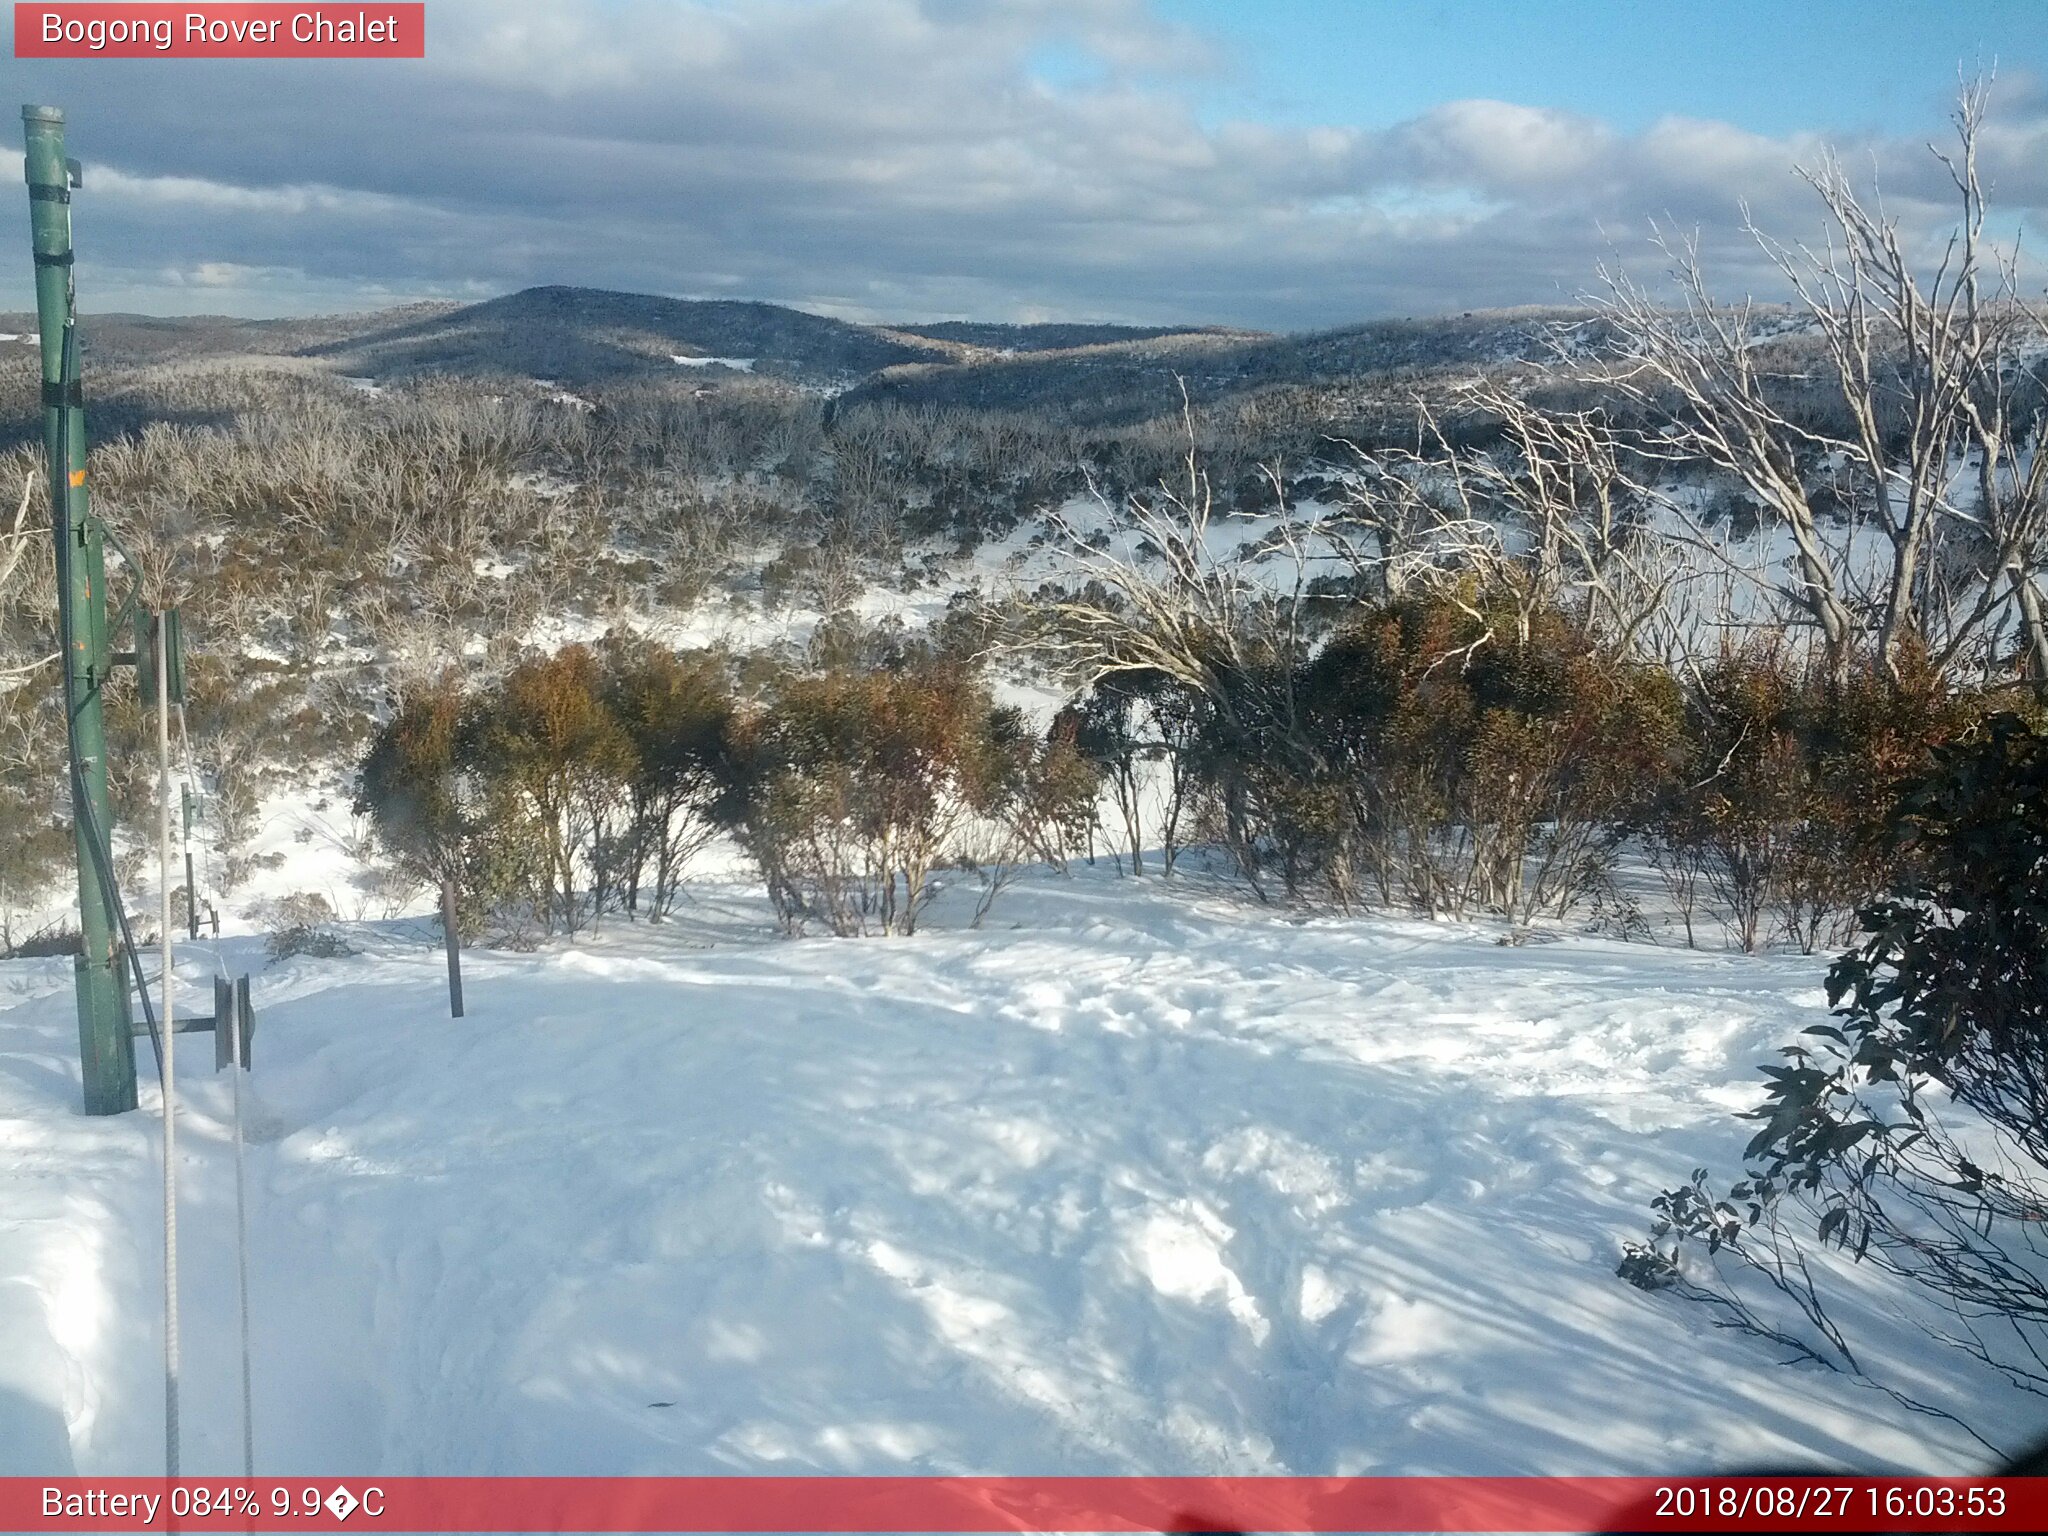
(1555, 515)
(1921, 362)
(160, 545)
(1397, 513)
(14, 544)
(1151, 591)
(419, 635)
(15, 540)
(1162, 589)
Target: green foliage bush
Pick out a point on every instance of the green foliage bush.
(1451, 752)
(1912, 1132)
(435, 817)
(586, 781)
(1779, 798)
(853, 789)
(1467, 749)
(675, 712)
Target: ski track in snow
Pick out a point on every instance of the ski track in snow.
(1134, 1182)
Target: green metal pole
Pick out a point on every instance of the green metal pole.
(105, 1044)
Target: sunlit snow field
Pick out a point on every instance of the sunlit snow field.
(1134, 1179)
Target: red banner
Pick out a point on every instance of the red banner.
(977, 1504)
(359, 31)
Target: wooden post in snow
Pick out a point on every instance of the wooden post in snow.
(454, 942)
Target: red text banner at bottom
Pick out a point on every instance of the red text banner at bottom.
(1030, 1504)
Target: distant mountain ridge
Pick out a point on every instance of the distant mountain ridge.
(1132, 379)
(586, 336)
(589, 335)
(583, 338)
(1056, 336)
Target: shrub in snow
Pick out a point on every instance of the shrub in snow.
(1778, 803)
(301, 924)
(852, 789)
(427, 814)
(59, 939)
(1039, 804)
(584, 782)
(579, 784)
(1913, 1131)
(1467, 750)
(676, 713)
(35, 845)
(1126, 723)
(549, 747)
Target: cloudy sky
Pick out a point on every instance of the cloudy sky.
(1287, 164)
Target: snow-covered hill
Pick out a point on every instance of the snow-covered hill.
(1134, 1180)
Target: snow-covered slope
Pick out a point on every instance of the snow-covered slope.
(1131, 1181)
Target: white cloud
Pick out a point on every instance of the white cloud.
(227, 274)
(198, 193)
(903, 157)
(1496, 145)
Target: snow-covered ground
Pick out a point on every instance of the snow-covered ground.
(1134, 1179)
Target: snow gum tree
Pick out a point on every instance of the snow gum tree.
(1126, 724)
(853, 790)
(431, 813)
(576, 783)
(676, 713)
(546, 737)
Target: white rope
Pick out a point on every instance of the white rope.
(208, 853)
(237, 1068)
(163, 746)
(242, 1244)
